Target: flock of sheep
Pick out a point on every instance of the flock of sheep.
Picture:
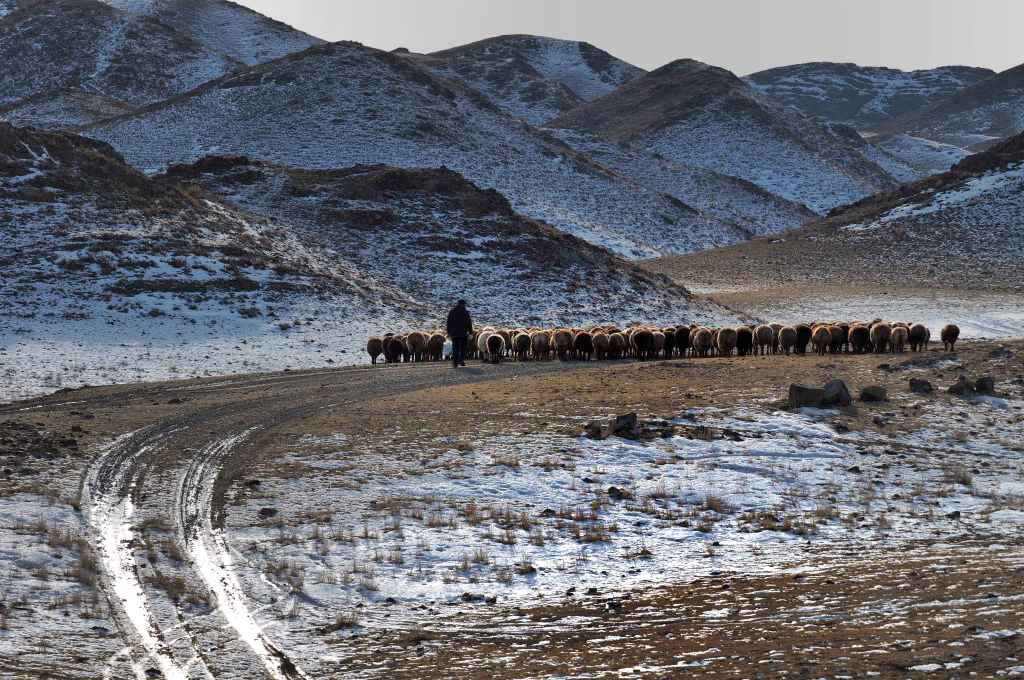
(648, 342)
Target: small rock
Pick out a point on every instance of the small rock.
(883, 367)
(880, 421)
(986, 385)
(801, 395)
(962, 388)
(253, 483)
(592, 591)
(840, 427)
(176, 400)
(268, 512)
(836, 393)
(153, 673)
(472, 597)
(954, 515)
(855, 469)
(548, 512)
(872, 393)
(615, 493)
(918, 386)
(491, 599)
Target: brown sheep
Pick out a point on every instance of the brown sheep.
(949, 334)
(374, 347)
(541, 345)
(481, 343)
(583, 345)
(561, 340)
(435, 346)
(836, 345)
(416, 342)
(776, 327)
(916, 336)
(495, 347)
(618, 345)
(880, 333)
(726, 341)
(744, 340)
(860, 338)
(821, 338)
(787, 339)
(763, 338)
(702, 341)
(642, 340)
(898, 338)
(803, 336)
(682, 340)
(657, 342)
(395, 350)
(601, 345)
(521, 346)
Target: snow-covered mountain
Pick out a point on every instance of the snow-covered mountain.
(109, 275)
(730, 199)
(703, 115)
(954, 231)
(967, 120)
(344, 104)
(860, 96)
(586, 70)
(87, 45)
(55, 109)
(225, 26)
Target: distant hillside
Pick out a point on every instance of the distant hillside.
(861, 96)
(973, 118)
(56, 109)
(87, 45)
(437, 237)
(345, 104)
(703, 115)
(225, 26)
(956, 230)
(586, 70)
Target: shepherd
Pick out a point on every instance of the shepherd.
(460, 327)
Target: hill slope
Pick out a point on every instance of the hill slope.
(62, 108)
(959, 229)
(860, 96)
(87, 45)
(706, 116)
(586, 70)
(345, 104)
(227, 27)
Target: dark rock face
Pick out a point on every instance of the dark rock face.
(873, 393)
(918, 386)
(986, 385)
(836, 393)
(962, 388)
(801, 395)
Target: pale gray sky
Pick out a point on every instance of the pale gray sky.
(741, 35)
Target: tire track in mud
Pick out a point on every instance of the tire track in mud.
(195, 448)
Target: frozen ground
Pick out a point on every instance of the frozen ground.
(527, 519)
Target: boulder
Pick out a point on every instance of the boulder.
(267, 513)
(962, 388)
(623, 426)
(836, 393)
(872, 393)
(918, 386)
(986, 385)
(801, 395)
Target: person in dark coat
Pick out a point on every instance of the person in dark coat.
(460, 327)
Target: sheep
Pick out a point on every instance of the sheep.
(416, 342)
(601, 345)
(618, 345)
(521, 346)
(763, 337)
(395, 350)
(657, 342)
(803, 336)
(670, 341)
(949, 334)
(642, 341)
(776, 327)
(916, 336)
(836, 345)
(495, 347)
(726, 341)
(787, 338)
(541, 345)
(744, 341)
(481, 343)
(374, 347)
(507, 337)
(435, 346)
(880, 333)
(898, 338)
(860, 338)
(701, 341)
(821, 338)
(682, 340)
(561, 340)
(583, 345)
